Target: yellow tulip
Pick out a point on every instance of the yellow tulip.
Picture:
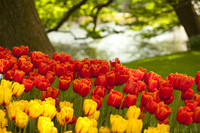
(133, 112)
(17, 89)
(93, 130)
(105, 129)
(49, 110)
(45, 125)
(5, 95)
(12, 109)
(68, 132)
(163, 127)
(3, 120)
(95, 115)
(65, 103)
(3, 130)
(83, 124)
(134, 125)
(6, 83)
(49, 100)
(21, 104)
(65, 115)
(89, 107)
(34, 109)
(21, 119)
(152, 130)
(118, 123)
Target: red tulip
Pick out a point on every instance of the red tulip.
(4, 66)
(78, 65)
(197, 98)
(82, 86)
(197, 78)
(152, 105)
(131, 87)
(113, 64)
(56, 56)
(184, 115)
(50, 92)
(64, 83)
(43, 68)
(198, 87)
(60, 69)
(37, 57)
(115, 99)
(50, 76)
(165, 93)
(28, 84)
(9, 75)
(141, 85)
(19, 51)
(41, 83)
(166, 121)
(110, 78)
(26, 66)
(65, 57)
(162, 111)
(99, 90)
(196, 116)
(101, 81)
(187, 95)
(152, 85)
(169, 101)
(18, 76)
(85, 71)
(129, 100)
(192, 104)
(151, 75)
(146, 96)
(32, 75)
(121, 74)
(98, 100)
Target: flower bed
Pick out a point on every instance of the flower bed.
(58, 94)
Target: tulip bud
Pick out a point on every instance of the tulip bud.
(105, 129)
(162, 111)
(45, 125)
(64, 82)
(196, 116)
(114, 122)
(28, 84)
(49, 110)
(5, 95)
(65, 115)
(184, 115)
(83, 125)
(115, 99)
(89, 107)
(34, 109)
(17, 89)
(21, 119)
(18, 76)
(134, 126)
(133, 112)
(3, 120)
(95, 115)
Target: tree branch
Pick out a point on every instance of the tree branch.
(99, 7)
(67, 15)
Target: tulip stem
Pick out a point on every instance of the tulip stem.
(63, 95)
(80, 107)
(25, 129)
(65, 127)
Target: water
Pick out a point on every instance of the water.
(122, 43)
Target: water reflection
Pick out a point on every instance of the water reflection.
(125, 44)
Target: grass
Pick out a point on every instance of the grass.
(183, 62)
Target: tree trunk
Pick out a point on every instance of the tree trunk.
(20, 25)
(188, 17)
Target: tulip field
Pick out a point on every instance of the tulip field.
(42, 94)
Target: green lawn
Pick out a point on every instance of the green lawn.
(183, 62)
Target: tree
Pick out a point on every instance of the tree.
(20, 25)
(187, 16)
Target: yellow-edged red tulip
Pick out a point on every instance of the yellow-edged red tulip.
(83, 125)
(5, 95)
(17, 89)
(65, 115)
(115, 126)
(133, 112)
(95, 115)
(89, 107)
(49, 110)
(45, 125)
(21, 119)
(134, 126)
(105, 129)
(34, 109)
(3, 120)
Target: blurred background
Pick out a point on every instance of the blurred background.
(104, 29)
